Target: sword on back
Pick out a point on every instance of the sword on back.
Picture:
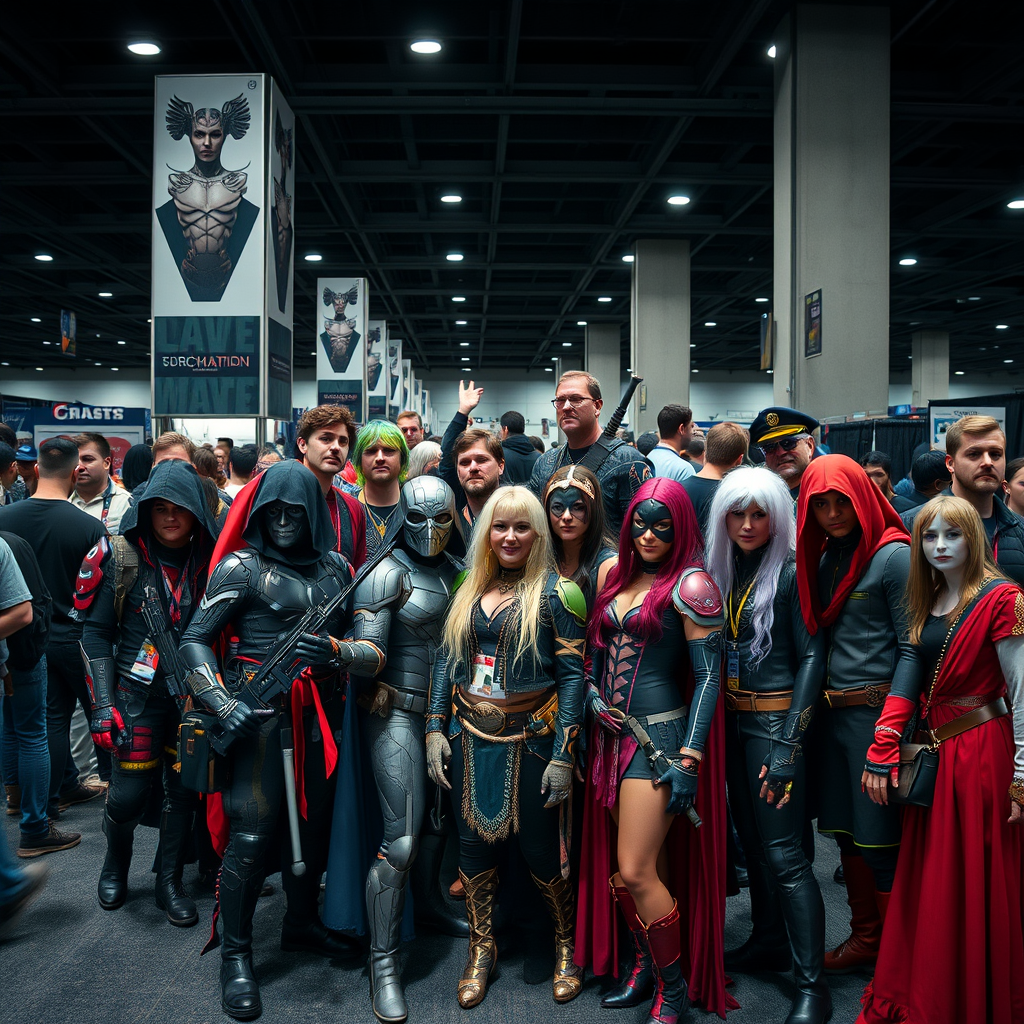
(604, 445)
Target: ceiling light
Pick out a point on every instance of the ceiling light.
(693, 344)
(463, 344)
(455, 257)
(47, 343)
(769, 371)
(1007, 360)
(144, 49)
(581, 323)
(959, 373)
(628, 258)
(761, 299)
(115, 368)
(105, 295)
(36, 320)
(39, 369)
(694, 371)
(547, 369)
(99, 364)
(122, 343)
(566, 344)
(908, 261)
(974, 298)
(458, 298)
(465, 359)
(771, 53)
(44, 257)
(1002, 327)
(5, 364)
(554, 359)
(461, 323)
(452, 197)
(711, 323)
(149, 321)
(605, 298)
(1015, 204)
(312, 257)
(425, 46)
(677, 200)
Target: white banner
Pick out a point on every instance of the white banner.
(942, 417)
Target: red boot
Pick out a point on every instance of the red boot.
(670, 998)
(638, 985)
(860, 950)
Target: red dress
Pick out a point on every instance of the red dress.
(953, 944)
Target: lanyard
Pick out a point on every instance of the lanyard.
(734, 621)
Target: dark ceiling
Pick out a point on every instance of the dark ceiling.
(564, 125)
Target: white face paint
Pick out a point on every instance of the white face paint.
(944, 545)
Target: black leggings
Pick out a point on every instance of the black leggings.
(880, 859)
(538, 826)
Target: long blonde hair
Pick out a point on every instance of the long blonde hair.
(926, 584)
(525, 616)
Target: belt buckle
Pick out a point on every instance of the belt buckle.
(873, 696)
(488, 718)
(828, 698)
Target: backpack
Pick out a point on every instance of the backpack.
(27, 646)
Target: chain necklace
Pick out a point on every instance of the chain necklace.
(380, 522)
(508, 579)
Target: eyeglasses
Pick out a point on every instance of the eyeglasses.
(572, 401)
(787, 444)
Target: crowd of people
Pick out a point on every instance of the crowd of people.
(647, 666)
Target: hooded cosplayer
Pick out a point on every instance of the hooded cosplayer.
(260, 592)
(400, 609)
(852, 561)
(146, 582)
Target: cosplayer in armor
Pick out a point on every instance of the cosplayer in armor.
(339, 336)
(400, 609)
(506, 701)
(853, 559)
(773, 675)
(260, 592)
(137, 593)
(656, 754)
(212, 217)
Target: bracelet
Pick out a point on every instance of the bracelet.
(889, 729)
(1017, 790)
(690, 752)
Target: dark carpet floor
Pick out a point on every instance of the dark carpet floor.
(66, 960)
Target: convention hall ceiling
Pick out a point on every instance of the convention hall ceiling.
(564, 125)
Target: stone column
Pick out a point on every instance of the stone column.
(929, 372)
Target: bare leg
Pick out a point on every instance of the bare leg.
(643, 826)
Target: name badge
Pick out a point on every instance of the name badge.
(483, 684)
(145, 665)
(732, 666)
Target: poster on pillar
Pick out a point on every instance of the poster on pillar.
(279, 292)
(208, 250)
(341, 342)
(417, 401)
(376, 378)
(406, 384)
(942, 417)
(394, 377)
(428, 412)
(812, 324)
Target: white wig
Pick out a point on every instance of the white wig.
(738, 490)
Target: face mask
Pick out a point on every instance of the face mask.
(572, 499)
(944, 545)
(285, 524)
(649, 512)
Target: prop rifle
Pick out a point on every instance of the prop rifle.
(608, 442)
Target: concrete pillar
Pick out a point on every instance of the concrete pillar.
(929, 372)
(604, 360)
(832, 208)
(660, 326)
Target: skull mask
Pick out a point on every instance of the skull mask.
(428, 515)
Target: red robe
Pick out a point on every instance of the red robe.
(953, 944)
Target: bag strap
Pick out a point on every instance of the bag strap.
(126, 570)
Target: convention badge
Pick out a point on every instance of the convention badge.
(732, 666)
(145, 665)
(483, 684)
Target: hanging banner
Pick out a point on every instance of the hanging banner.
(209, 253)
(417, 400)
(341, 344)
(280, 256)
(428, 412)
(376, 377)
(394, 377)
(68, 328)
(406, 402)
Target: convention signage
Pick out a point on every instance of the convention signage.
(376, 376)
(68, 329)
(395, 405)
(942, 417)
(122, 426)
(341, 342)
(407, 376)
(812, 324)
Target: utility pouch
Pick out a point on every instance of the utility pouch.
(202, 769)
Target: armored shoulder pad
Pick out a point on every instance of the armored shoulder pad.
(382, 587)
(459, 580)
(90, 575)
(697, 596)
(238, 567)
(572, 598)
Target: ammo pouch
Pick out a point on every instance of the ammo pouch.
(202, 769)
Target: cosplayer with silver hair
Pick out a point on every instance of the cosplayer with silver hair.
(773, 679)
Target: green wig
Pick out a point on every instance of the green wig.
(379, 432)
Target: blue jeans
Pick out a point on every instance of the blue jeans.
(24, 754)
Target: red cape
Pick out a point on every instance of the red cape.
(879, 522)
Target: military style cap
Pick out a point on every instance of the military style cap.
(778, 421)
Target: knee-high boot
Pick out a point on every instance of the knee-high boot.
(670, 997)
(171, 896)
(385, 900)
(241, 878)
(481, 892)
(805, 918)
(860, 949)
(558, 895)
(113, 885)
(638, 984)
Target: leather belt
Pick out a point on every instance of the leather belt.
(495, 720)
(664, 716)
(383, 699)
(872, 696)
(749, 700)
(964, 723)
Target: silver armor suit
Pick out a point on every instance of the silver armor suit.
(207, 207)
(400, 610)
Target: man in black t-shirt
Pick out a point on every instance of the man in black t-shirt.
(61, 535)
(724, 448)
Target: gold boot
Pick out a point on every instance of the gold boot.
(568, 979)
(481, 891)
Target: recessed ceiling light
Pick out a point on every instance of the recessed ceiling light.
(693, 344)
(455, 257)
(144, 49)
(711, 323)
(694, 371)
(458, 298)
(105, 295)
(5, 364)
(463, 344)
(149, 321)
(628, 258)
(566, 344)
(115, 368)
(44, 257)
(771, 51)
(312, 257)
(452, 197)
(36, 320)
(47, 343)
(547, 369)
(769, 371)
(605, 298)
(122, 343)
(465, 359)
(1002, 327)
(99, 364)
(959, 373)
(974, 298)
(1015, 204)
(1007, 360)
(910, 357)
(581, 323)
(908, 261)
(678, 200)
(760, 298)
(425, 46)
(554, 359)
(39, 369)
(461, 323)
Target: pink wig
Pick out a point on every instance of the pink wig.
(687, 549)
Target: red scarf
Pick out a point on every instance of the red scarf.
(880, 524)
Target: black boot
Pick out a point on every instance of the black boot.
(638, 985)
(240, 880)
(767, 949)
(303, 931)
(432, 910)
(171, 896)
(113, 884)
(805, 918)
(671, 998)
